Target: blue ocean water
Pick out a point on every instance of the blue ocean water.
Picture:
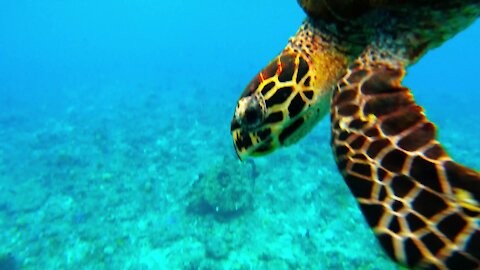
(114, 126)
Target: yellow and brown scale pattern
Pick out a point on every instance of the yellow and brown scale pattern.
(423, 207)
(284, 81)
(291, 92)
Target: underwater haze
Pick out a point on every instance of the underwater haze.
(115, 150)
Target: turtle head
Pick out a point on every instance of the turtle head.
(288, 97)
(277, 108)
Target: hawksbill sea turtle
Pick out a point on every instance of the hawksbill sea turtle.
(349, 58)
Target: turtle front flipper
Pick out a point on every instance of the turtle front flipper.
(423, 207)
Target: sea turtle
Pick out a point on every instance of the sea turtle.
(349, 57)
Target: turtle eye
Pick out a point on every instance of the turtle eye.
(250, 111)
(252, 116)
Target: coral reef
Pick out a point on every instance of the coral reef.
(225, 189)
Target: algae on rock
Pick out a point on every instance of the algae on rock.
(225, 189)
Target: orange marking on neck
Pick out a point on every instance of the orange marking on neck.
(279, 66)
(260, 76)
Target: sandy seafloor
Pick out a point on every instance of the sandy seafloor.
(109, 178)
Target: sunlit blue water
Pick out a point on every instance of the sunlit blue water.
(113, 112)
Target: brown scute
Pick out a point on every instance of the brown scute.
(394, 225)
(307, 82)
(414, 255)
(296, 105)
(382, 194)
(308, 94)
(394, 160)
(302, 69)
(362, 169)
(377, 146)
(384, 105)
(343, 136)
(288, 68)
(361, 188)
(435, 152)
(387, 243)
(473, 244)
(267, 88)
(280, 96)
(401, 185)
(415, 223)
(381, 83)
(418, 138)
(357, 76)
(381, 173)
(458, 259)
(397, 205)
(433, 243)
(357, 124)
(288, 131)
(428, 204)
(348, 110)
(341, 150)
(345, 97)
(373, 213)
(395, 124)
(358, 142)
(274, 118)
(425, 172)
(372, 132)
(452, 225)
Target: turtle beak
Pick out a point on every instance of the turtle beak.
(238, 141)
(234, 125)
(236, 152)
